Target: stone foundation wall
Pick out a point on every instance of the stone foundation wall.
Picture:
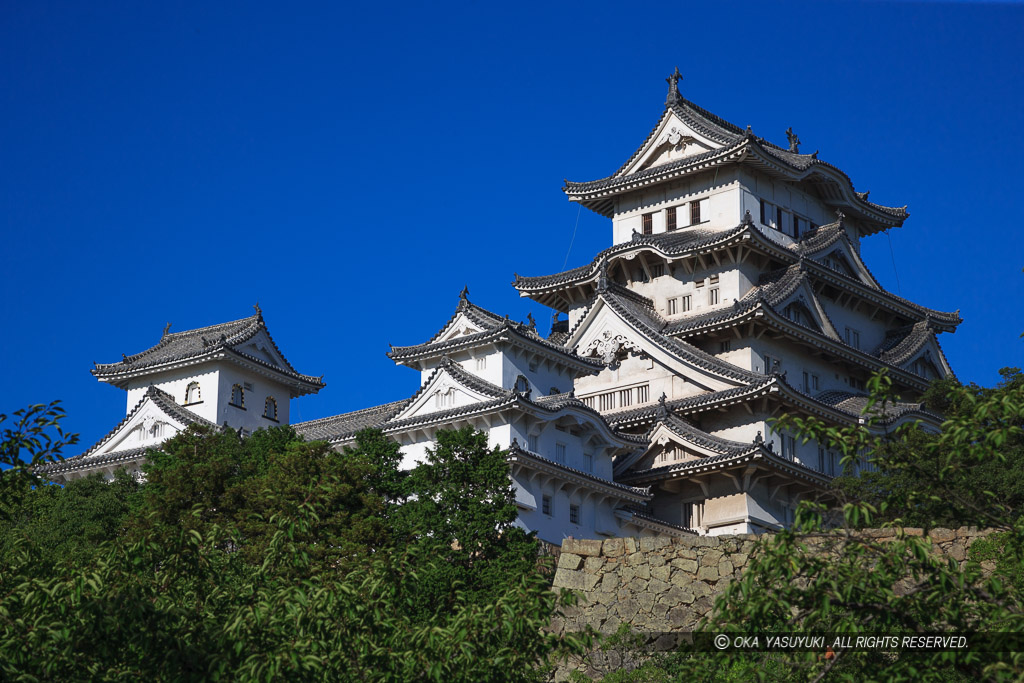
(662, 585)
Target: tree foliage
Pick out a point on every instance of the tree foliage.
(269, 558)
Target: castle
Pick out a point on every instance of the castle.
(733, 292)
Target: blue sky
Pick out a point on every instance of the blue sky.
(351, 167)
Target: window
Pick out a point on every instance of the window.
(853, 337)
(192, 393)
(725, 346)
(694, 212)
(270, 408)
(643, 393)
(788, 447)
(673, 306)
(857, 383)
(796, 226)
(545, 504)
(531, 442)
(238, 396)
(588, 462)
(821, 459)
(574, 514)
(778, 217)
(807, 382)
(670, 218)
(560, 452)
(687, 303)
(522, 385)
(606, 401)
(657, 270)
(713, 296)
(626, 397)
(481, 363)
(814, 382)
(764, 211)
(647, 220)
(770, 364)
(444, 398)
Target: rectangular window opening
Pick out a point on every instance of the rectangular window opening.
(694, 212)
(574, 514)
(647, 221)
(545, 505)
(670, 219)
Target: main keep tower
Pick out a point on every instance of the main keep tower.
(733, 292)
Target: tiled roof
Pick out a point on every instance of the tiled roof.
(648, 322)
(494, 328)
(716, 462)
(736, 144)
(647, 414)
(347, 424)
(687, 432)
(855, 405)
(162, 400)
(902, 343)
(194, 344)
(667, 243)
(517, 451)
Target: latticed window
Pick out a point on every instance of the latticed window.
(545, 505)
(694, 213)
(574, 514)
(670, 218)
(673, 306)
(560, 452)
(606, 401)
(270, 408)
(647, 221)
(192, 393)
(713, 296)
(237, 396)
(626, 397)
(643, 393)
(687, 303)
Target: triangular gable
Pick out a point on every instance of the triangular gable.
(802, 307)
(605, 335)
(147, 426)
(261, 347)
(460, 326)
(671, 140)
(842, 257)
(928, 361)
(448, 387)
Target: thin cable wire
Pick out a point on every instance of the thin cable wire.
(892, 254)
(578, 210)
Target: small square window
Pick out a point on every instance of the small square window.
(481, 363)
(687, 303)
(531, 442)
(673, 306)
(574, 514)
(588, 462)
(713, 296)
(725, 346)
(545, 505)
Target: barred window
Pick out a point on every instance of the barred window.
(643, 393)
(670, 218)
(545, 505)
(648, 223)
(574, 514)
(694, 212)
(713, 296)
(237, 396)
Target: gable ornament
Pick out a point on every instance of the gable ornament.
(608, 346)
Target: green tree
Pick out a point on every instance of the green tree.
(462, 509)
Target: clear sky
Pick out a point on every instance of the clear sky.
(352, 166)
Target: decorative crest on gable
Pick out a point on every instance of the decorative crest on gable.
(608, 346)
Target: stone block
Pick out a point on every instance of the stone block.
(677, 616)
(685, 565)
(629, 545)
(636, 559)
(711, 557)
(708, 573)
(569, 561)
(646, 602)
(590, 581)
(627, 609)
(957, 551)
(637, 586)
(725, 568)
(643, 571)
(587, 547)
(573, 580)
(609, 582)
(659, 610)
(657, 586)
(656, 560)
(613, 547)
(941, 535)
(662, 573)
(626, 574)
(686, 553)
(913, 531)
(703, 605)
(649, 543)
(739, 559)
(604, 598)
(593, 565)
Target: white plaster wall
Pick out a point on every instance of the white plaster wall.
(174, 382)
(251, 417)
